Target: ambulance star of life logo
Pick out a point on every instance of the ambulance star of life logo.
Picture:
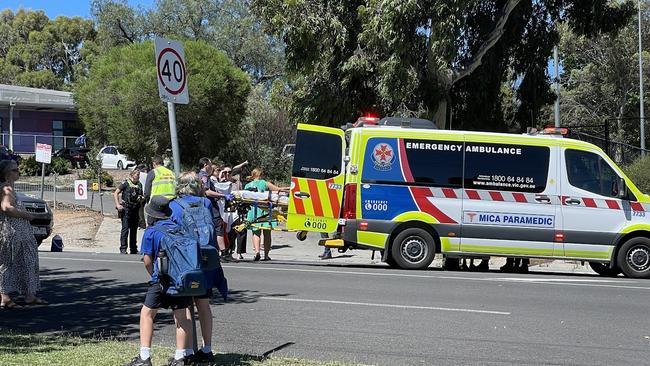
(383, 156)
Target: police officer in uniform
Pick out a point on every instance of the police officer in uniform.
(129, 197)
(160, 182)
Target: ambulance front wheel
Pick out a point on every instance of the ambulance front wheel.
(634, 258)
(301, 235)
(413, 248)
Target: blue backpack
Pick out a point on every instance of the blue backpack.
(180, 263)
(197, 223)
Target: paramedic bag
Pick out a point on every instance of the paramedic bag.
(180, 263)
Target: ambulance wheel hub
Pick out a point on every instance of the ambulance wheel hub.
(414, 249)
(639, 258)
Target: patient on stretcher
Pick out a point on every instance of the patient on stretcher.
(269, 196)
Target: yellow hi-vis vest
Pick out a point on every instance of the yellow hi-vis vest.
(164, 183)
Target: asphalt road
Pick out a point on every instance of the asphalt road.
(367, 314)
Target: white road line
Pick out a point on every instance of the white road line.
(387, 305)
(534, 281)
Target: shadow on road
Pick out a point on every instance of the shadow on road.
(80, 304)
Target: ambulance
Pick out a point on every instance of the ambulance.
(409, 191)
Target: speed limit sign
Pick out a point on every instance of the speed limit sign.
(171, 71)
(81, 189)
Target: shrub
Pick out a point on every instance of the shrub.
(60, 166)
(639, 172)
(91, 175)
(30, 167)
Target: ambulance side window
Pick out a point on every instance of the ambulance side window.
(317, 155)
(503, 167)
(590, 172)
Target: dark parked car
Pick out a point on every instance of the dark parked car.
(77, 156)
(42, 222)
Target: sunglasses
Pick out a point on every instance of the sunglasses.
(227, 171)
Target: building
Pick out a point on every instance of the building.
(29, 116)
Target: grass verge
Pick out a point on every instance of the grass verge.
(57, 350)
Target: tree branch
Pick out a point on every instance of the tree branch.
(492, 39)
(126, 35)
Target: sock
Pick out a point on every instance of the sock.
(206, 349)
(145, 352)
(179, 355)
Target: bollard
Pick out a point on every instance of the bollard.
(54, 198)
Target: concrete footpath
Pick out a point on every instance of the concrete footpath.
(286, 248)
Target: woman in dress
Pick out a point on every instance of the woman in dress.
(18, 247)
(260, 185)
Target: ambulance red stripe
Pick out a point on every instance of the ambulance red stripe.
(315, 197)
(520, 197)
(334, 198)
(590, 202)
(300, 207)
(613, 204)
(496, 196)
(636, 206)
(449, 193)
(404, 162)
(422, 201)
(472, 194)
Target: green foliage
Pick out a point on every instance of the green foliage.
(264, 133)
(119, 104)
(411, 57)
(38, 52)
(60, 166)
(601, 80)
(639, 173)
(30, 167)
(91, 175)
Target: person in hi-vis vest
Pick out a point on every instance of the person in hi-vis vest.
(160, 182)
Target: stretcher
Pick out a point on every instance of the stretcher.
(269, 209)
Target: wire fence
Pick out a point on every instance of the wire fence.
(26, 143)
(622, 153)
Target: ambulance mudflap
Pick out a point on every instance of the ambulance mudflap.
(317, 179)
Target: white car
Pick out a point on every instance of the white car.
(112, 159)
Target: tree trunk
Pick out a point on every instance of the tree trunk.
(440, 118)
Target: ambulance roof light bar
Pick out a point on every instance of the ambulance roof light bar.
(366, 121)
(553, 131)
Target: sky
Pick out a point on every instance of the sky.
(54, 8)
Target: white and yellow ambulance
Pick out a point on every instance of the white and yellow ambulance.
(413, 192)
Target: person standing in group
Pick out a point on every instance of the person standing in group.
(230, 214)
(205, 171)
(258, 184)
(129, 197)
(19, 269)
(160, 182)
(158, 212)
(144, 172)
(189, 191)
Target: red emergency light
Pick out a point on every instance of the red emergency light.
(366, 121)
(555, 131)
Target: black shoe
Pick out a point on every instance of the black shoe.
(122, 251)
(182, 362)
(137, 361)
(327, 255)
(201, 357)
(257, 257)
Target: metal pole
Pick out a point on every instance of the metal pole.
(42, 178)
(101, 198)
(641, 111)
(171, 109)
(55, 174)
(557, 87)
(11, 125)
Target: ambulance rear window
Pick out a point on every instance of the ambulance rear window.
(318, 155)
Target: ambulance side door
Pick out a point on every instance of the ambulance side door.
(510, 198)
(593, 215)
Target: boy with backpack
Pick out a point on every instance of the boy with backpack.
(159, 213)
(194, 213)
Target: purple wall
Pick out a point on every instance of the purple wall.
(39, 123)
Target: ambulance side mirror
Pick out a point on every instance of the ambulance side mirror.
(620, 188)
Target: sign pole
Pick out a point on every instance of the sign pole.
(42, 178)
(171, 109)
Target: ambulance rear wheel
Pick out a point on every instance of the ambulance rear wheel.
(413, 248)
(634, 258)
(604, 270)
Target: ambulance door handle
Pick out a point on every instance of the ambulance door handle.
(572, 201)
(301, 195)
(542, 199)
